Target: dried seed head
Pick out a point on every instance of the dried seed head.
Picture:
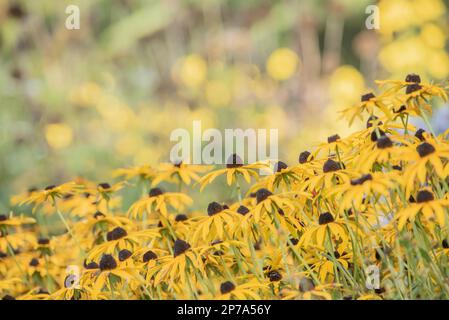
(333, 138)
(124, 254)
(325, 218)
(262, 194)
(180, 247)
(304, 157)
(234, 161)
(242, 210)
(155, 192)
(116, 233)
(330, 166)
(226, 287)
(214, 208)
(362, 179)
(425, 149)
(107, 262)
(424, 196)
(149, 255)
(384, 143)
(412, 77)
(367, 97)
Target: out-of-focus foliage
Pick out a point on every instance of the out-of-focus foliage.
(81, 102)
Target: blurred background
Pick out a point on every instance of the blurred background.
(83, 102)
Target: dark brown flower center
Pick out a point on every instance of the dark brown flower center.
(180, 247)
(149, 255)
(226, 287)
(34, 262)
(51, 187)
(107, 262)
(372, 120)
(420, 134)
(116, 233)
(243, 210)
(425, 149)
(262, 194)
(384, 142)
(274, 276)
(304, 157)
(43, 241)
(367, 97)
(362, 179)
(104, 185)
(155, 192)
(376, 134)
(214, 208)
(234, 161)
(424, 196)
(325, 218)
(124, 254)
(279, 166)
(413, 77)
(333, 138)
(330, 166)
(412, 88)
(3, 217)
(180, 217)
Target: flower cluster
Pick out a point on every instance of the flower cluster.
(377, 199)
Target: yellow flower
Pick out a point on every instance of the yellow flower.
(282, 64)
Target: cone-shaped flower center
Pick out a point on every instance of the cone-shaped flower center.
(226, 287)
(107, 262)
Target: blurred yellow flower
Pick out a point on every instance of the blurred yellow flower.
(426, 10)
(58, 135)
(282, 64)
(433, 36)
(346, 85)
(217, 93)
(192, 71)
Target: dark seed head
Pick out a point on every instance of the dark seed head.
(91, 265)
(98, 215)
(104, 185)
(180, 217)
(3, 217)
(412, 77)
(367, 96)
(149, 255)
(107, 262)
(294, 241)
(372, 120)
(116, 233)
(43, 241)
(51, 187)
(214, 208)
(226, 287)
(262, 194)
(362, 179)
(419, 134)
(330, 166)
(16, 11)
(243, 210)
(398, 168)
(279, 166)
(445, 244)
(424, 196)
(384, 142)
(8, 297)
(325, 218)
(124, 254)
(376, 134)
(424, 149)
(333, 138)
(177, 164)
(304, 157)
(412, 88)
(34, 262)
(274, 276)
(180, 247)
(234, 161)
(3, 255)
(306, 284)
(155, 192)
(401, 109)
